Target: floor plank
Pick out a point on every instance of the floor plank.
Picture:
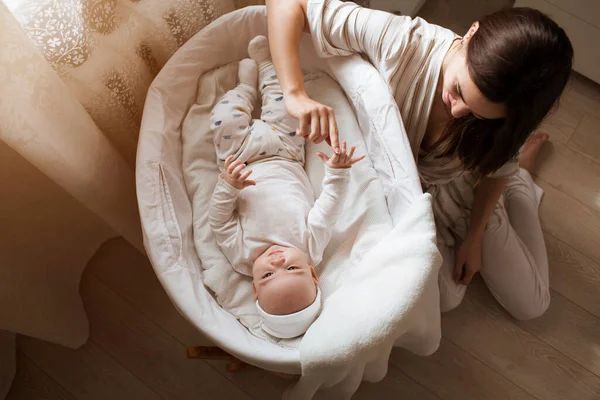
(153, 355)
(452, 373)
(585, 94)
(569, 329)
(488, 333)
(586, 138)
(553, 158)
(570, 221)
(140, 287)
(562, 122)
(574, 275)
(31, 383)
(396, 385)
(89, 373)
(258, 383)
(572, 174)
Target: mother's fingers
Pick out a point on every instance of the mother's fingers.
(304, 128)
(324, 126)
(459, 270)
(315, 126)
(317, 123)
(333, 132)
(469, 274)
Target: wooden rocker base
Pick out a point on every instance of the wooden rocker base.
(234, 364)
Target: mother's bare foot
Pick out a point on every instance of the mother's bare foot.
(530, 150)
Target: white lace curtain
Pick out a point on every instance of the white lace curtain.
(73, 79)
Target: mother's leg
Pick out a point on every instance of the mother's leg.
(515, 262)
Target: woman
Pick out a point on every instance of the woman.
(468, 104)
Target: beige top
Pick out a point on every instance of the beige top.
(408, 53)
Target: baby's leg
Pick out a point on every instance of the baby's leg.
(231, 117)
(273, 107)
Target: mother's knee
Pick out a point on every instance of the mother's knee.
(531, 309)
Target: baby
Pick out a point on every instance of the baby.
(274, 231)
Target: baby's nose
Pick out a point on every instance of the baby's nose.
(278, 260)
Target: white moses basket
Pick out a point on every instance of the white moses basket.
(166, 207)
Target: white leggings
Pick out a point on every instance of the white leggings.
(514, 258)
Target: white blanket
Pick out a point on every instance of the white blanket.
(381, 300)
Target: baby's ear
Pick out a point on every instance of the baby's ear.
(255, 294)
(314, 274)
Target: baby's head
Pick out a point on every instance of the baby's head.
(287, 293)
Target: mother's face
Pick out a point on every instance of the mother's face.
(459, 93)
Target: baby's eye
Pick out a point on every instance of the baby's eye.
(293, 267)
(268, 274)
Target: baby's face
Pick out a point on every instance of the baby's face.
(284, 280)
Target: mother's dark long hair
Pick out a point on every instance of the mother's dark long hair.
(519, 57)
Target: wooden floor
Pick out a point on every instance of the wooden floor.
(138, 340)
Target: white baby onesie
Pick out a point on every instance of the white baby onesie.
(281, 208)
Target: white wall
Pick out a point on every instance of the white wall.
(581, 20)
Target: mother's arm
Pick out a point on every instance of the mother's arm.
(286, 21)
(338, 29)
(468, 255)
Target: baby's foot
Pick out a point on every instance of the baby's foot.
(530, 150)
(248, 72)
(259, 49)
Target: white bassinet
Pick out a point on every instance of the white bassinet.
(166, 208)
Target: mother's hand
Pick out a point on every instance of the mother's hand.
(468, 259)
(317, 121)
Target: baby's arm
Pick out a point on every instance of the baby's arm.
(330, 204)
(328, 207)
(222, 217)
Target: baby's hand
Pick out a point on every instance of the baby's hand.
(234, 176)
(343, 159)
